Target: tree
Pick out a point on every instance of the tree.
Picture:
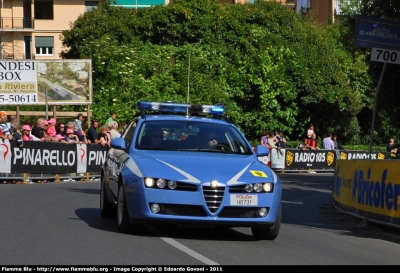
(270, 68)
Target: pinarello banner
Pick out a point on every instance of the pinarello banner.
(51, 157)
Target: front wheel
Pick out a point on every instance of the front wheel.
(122, 211)
(262, 233)
(106, 209)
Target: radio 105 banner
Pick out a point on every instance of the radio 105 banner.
(37, 82)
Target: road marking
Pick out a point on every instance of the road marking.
(188, 251)
(291, 202)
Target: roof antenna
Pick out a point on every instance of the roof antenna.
(187, 109)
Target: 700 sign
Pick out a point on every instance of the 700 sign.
(385, 56)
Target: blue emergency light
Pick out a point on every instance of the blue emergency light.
(181, 108)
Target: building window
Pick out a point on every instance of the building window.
(89, 5)
(44, 9)
(44, 45)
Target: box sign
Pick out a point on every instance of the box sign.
(55, 82)
(377, 32)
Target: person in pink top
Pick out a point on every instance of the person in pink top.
(26, 133)
(51, 129)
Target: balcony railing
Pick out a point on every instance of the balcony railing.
(17, 56)
(17, 23)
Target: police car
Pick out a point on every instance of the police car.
(188, 164)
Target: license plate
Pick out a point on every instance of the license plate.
(244, 200)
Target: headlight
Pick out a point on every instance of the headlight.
(258, 187)
(161, 183)
(149, 182)
(248, 188)
(268, 187)
(172, 184)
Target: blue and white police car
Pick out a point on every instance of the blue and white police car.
(188, 164)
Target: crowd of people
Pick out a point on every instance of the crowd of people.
(309, 142)
(53, 130)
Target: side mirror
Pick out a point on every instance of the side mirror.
(261, 151)
(118, 143)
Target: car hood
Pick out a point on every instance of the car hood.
(203, 167)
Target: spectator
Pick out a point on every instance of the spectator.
(26, 133)
(78, 130)
(40, 130)
(13, 120)
(182, 137)
(30, 123)
(272, 140)
(310, 131)
(336, 143)
(51, 129)
(71, 126)
(112, 117)
(312, 142)
(172, 136)
(104, 138)
(303, 145)
(71, 138)
(391, 146)
(113, 129)
(5, 130)
(92, 135)
(60, 129)
(327, 142)
(281, 141)
(264, 139)
(16, 134)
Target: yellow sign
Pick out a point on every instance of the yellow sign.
(258, 173)
(369, 185)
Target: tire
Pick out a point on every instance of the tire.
(122, 212)
(106, 208)
(260, 233)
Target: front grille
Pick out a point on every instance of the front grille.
(183, 210)
(236, 212)
(213, 197)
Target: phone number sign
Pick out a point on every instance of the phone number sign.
(53, 82)
(18, 82)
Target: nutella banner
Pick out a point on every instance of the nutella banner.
(51, 157)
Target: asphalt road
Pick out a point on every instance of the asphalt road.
(60, 224)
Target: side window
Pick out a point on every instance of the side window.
(128, 133)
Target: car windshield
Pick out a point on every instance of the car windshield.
(191, 136)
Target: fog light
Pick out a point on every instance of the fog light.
(268, 187)
(155, 208)
(161, 183)
(262, 212)
(149, 182)
(172, 184)
(258, 187)
(248, 188)
(214, 184)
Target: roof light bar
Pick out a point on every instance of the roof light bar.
(180, 107)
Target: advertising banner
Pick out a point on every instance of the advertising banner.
(33, 82)
(309, 159)
(325, 160)
(369, 185)
(377, 32)
(51, 157)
